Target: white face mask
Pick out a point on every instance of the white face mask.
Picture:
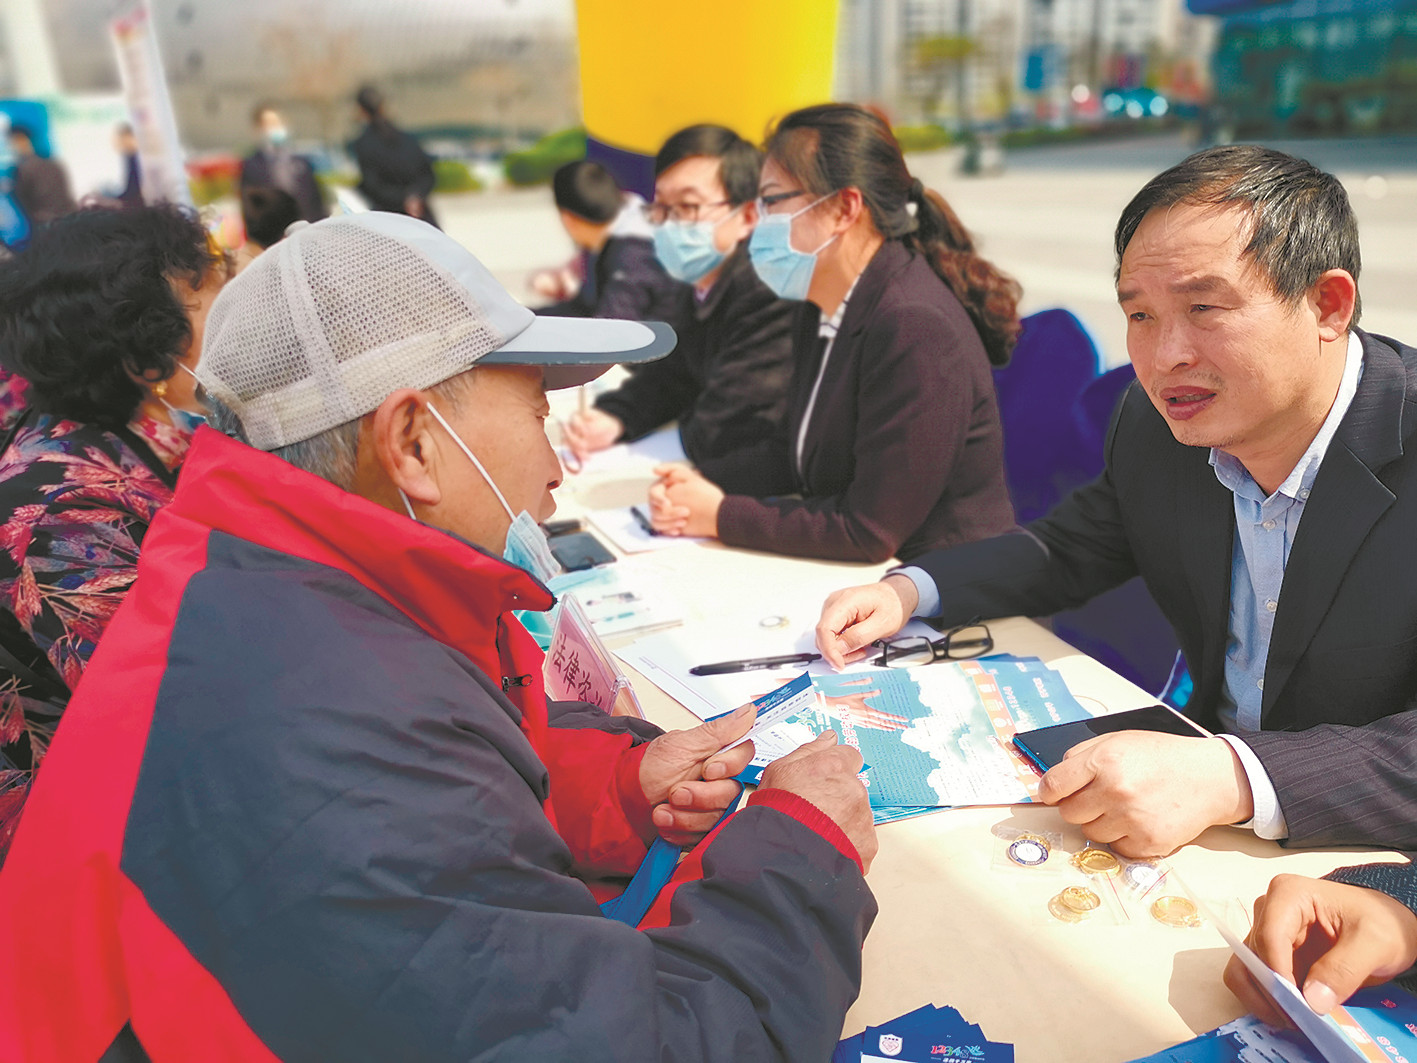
(526, 543)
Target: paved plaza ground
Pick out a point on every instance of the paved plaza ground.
(1048, 218)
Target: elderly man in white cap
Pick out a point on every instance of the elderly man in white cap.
(310, 801)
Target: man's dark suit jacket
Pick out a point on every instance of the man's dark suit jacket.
(256, 173)
(726, 381)
(904, 451)
(1338, 738)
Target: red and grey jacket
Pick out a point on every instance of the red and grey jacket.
(309, 803)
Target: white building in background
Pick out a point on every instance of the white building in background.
(897, 53)
(506, 66)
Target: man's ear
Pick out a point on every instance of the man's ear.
(749, 213)
(402, 441)
(1334, 297)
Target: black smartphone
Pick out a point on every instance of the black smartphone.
(1047, 745)
(578, 551)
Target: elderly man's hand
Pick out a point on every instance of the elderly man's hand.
(854, 618)
(1148, 794)
(1326, 937)
(688, 781)
(825, 774)
(683, 502)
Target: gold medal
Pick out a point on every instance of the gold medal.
(1062, 912)
(1176, 911)
(1096, 862)
(1080, 899)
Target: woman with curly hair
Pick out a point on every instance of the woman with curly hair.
(892, 444)
(102, 314)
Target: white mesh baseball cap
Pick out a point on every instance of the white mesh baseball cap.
(321, 328)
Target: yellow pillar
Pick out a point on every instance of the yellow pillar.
(650, 69)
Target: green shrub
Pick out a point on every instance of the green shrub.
(921, 137)
(537, 163)
(454, 175)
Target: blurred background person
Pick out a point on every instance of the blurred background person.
(620, 277)
(726, 381)
(125, 143)
(893, 444)
(395, 173)
(266, 213)
(274, 165)
(41, 185)
(101, 314)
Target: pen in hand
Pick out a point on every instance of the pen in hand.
(644, 522)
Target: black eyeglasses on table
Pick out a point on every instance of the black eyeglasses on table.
(961, 643)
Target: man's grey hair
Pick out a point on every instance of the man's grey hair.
(332, 455)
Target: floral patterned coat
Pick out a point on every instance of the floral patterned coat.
(75, 503)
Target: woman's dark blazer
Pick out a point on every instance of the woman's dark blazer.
(903, 453)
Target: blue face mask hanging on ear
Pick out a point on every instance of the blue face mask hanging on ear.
(184, 420)
(784, 269)
(526, 542)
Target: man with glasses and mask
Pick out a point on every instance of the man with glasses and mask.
(1261, 477)
(726, 382)
(310, 800)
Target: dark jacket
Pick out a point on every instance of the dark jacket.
(1338, 738)
(903, 452)
(627, 282)
(726, 381)
(392, 167)
(258, 172)
(310, 803)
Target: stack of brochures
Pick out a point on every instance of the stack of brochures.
(925, 1035)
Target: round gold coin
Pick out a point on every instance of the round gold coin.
(1080, 899)
(1096, 862)
(1061, 911)
(1176, 911)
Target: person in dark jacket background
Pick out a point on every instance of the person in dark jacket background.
(274, 165)
(892, 443)
(395, 173)
(41, 184)
(726, 382)
(620, 277)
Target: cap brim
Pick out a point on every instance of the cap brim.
(575, 350)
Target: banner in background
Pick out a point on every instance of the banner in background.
(145, 88)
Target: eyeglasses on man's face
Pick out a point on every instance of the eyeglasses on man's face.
(958, 644)
(658, 213)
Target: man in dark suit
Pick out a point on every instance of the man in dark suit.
(1257, 404)
(395, 173)
(274, 165)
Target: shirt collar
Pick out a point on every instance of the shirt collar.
(1237, 479)
(830, 326)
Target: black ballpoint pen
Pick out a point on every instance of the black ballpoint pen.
(753, 663)
(644, 521)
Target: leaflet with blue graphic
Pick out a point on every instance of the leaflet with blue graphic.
(926, 1035)
(933, 736)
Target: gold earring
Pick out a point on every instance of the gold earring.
(160, 389)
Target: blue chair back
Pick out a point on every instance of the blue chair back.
(1044, 455)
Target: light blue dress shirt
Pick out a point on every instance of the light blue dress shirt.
(1265, 528)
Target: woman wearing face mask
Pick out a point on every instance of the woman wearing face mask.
(102, 314)
(892, 444)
